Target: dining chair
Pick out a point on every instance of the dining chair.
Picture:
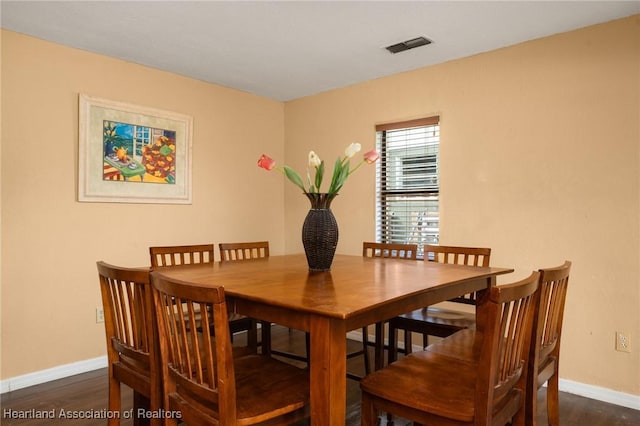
(384, 250)
(472, 377)
(132, 354)
(183, 255)
(206, 381)
(438, 321)
(545, 348)
(241, 251)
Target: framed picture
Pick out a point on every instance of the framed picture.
(133, 154)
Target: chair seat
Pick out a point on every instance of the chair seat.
(459, 345)
(238, 323)
(446, 388)
(233, 316)
(449, 320)
(263, 383)
(265, 389)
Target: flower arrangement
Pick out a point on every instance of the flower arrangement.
(341, 170)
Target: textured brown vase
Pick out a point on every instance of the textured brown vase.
(320, 232)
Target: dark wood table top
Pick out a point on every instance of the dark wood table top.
(353, 285)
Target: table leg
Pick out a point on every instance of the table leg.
(328, 371)
(481, 321)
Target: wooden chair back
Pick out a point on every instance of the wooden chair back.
(470, 256)
(385, 250)
(130, 329)
(504, 327)
(181, 255)
(171, 256)
(200, 367)
(195, 363)
(545, 348)
(232, 252)
(243, 251)
(403, 251)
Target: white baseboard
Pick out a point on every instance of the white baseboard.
(600, 394)
(582, 389)
(55, 373)
(50, 374)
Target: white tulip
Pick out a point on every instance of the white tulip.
(314, 160)
(352, 150)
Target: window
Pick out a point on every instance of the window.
(142, 138)
(407, 187)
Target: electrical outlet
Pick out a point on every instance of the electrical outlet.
(99, 315)
(623, 344)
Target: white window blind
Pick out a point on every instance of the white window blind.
(407, 185)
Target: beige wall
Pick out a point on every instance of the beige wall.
(51, 242)
(539, 160)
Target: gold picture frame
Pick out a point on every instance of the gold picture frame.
(133, 154)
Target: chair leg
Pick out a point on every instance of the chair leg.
(266, 337)
(392, 354)
(379, 347)
(140, 402)
(365, 350)
(156, 404)
(531, 396)
(368, 415)
(252, 336)
(114, 398)
(519, 419)
(553, 406)
(408, 345)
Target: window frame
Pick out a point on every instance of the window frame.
(429, 191)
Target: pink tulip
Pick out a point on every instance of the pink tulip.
(266, 162)
(371, 156)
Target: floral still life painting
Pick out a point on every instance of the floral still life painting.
(138, 153)
(133, 154)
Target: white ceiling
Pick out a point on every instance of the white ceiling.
(289, 49)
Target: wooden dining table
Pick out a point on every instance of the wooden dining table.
(357, 292)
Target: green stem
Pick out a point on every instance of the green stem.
(356, 167)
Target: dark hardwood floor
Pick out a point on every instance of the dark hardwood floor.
(86, 395)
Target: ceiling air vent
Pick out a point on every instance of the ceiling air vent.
(409, 44)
